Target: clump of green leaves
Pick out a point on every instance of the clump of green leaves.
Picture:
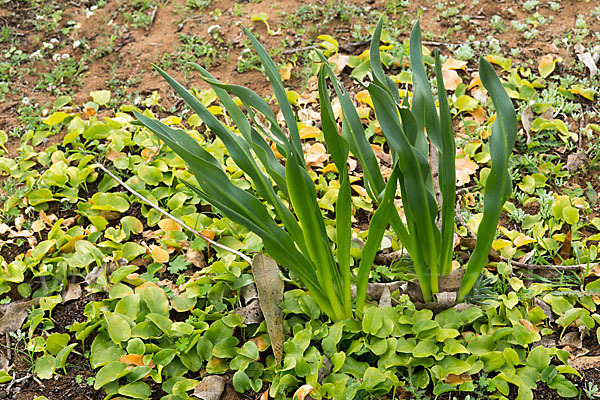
(304, 246)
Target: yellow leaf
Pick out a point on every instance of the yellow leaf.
(330, 168)
(168, 224)
(302, 392)
(452, 63)
(475, 81)
(363, 112)
(215, 110)
(522, 240)
(309, 132)
(546, 65)
(500, 244)
(172, 120)
(360, 190)
(364, 97)
(285, 71)
(583, 92)
(159, 254)
(209, 234)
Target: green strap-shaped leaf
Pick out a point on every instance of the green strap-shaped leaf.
(423, 105)
(354, 133)
(275, 80)
(237, 204)
(338, 148)
(447, 172)
(304, 201)
(379, 223)
(498, 186)
(411, 165)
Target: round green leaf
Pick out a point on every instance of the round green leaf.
(118, 327)
(109, 373)
(100, 97)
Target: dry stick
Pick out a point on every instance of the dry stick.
(180, 222)
(575, 267)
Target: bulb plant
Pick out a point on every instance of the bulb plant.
(283, 209)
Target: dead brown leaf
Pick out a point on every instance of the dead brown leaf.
(270, 292)
(14, 314)
(210, 388)
(73, 293)
(582, 363)
(565, 250)
(251, 312)
(464, 169)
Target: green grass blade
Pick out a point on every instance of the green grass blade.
(498, 186)
(251, 99)
(447, 172)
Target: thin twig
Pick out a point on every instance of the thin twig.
(299, 49)
(152, 17)
(8, 349)
(180, 222)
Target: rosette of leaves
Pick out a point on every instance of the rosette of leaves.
(296, 236)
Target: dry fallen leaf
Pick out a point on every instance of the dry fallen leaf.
(270, 292)
(360, 190)
(575, 161)
(73, 293)
(527, 119)
(565, 250)
(210, 388)
(251, 313)
(453, 379)
(316, 155)
(340, 61)
(582, 363)
(135, 359)
(309, 132)
(196, 258)
(451, 79)
(449, 74)
(386, 298)
(261, 342)
(464, 169)
(527, 324)
(285, 71)
(159, 254)
(14, 314)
